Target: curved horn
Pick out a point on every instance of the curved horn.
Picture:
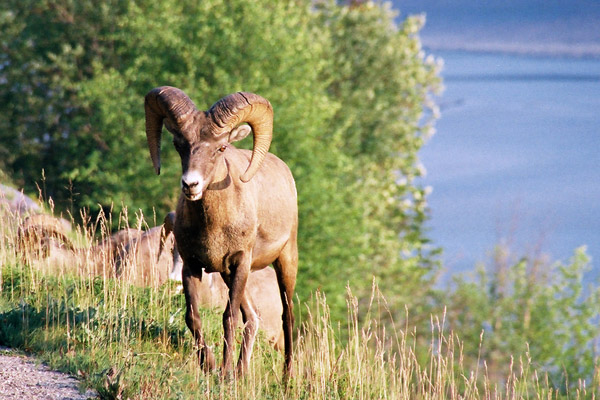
(241, 107)
(165, 103)
(37, 234)
(167, 229)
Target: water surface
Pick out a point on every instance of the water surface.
(516, 156)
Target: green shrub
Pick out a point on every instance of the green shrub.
(547, 313)
(71, 95)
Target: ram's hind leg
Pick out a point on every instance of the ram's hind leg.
(251, 324)
(191, 289)
(286, 267)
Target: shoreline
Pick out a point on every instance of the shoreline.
(527, 51)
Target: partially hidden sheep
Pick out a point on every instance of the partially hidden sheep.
(45, 237)
(146, 260)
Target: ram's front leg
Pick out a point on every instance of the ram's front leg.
(235, 278)
(191, 289)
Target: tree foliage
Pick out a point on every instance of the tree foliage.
(384, 82)
(527, 308)
(350, 90)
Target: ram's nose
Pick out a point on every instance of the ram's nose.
(191, 185)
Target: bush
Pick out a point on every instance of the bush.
(73, 77)
(530, 309)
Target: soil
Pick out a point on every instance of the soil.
(24, 378)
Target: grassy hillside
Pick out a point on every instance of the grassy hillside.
(131, 342)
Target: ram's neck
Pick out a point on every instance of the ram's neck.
(217, 203)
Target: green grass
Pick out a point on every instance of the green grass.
(131, 342)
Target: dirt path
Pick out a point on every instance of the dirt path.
(24, 378)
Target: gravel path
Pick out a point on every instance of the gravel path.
(23, 378)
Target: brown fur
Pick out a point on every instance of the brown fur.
(37, 231)
(262, 287)
(142, 263)
(45, 237)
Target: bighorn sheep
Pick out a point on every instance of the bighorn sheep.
(213, 292)
(43, 235)
(128, 254)
(237, 210)
(36, 233)
(263, 290)
(142, 260)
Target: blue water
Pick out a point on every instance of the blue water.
(516, 156)
(548, 27)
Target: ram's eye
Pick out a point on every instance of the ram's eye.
(222, 148)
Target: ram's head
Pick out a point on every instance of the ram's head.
(202, 138)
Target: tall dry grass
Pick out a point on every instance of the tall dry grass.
(131, 342)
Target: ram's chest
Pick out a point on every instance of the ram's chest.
(210, 245)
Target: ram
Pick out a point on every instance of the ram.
(142, 260)
(237, 211)
(45, 236)
(37, 233)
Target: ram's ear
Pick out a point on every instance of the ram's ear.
(239, 133)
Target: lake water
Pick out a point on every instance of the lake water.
(543, 27)
(516, 156)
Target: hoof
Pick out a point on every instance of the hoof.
(206, 359)
(227, 374)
